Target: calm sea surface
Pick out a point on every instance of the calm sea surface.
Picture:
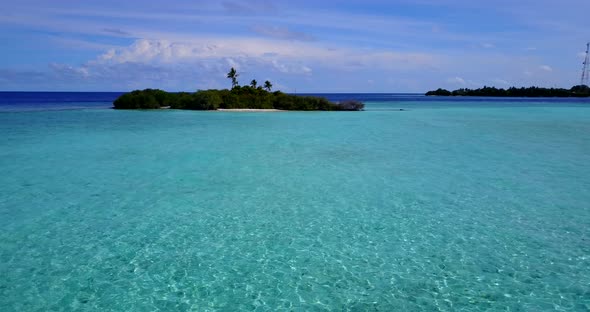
(472, 204)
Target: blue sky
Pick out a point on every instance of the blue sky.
(303, 46)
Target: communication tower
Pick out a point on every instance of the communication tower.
(586, 68)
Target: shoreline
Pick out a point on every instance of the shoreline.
(249, 110)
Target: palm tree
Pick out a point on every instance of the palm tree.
(267, 85)
(233, 75)
(253, 83)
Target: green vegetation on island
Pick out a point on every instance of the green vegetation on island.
(576, 91)
(252, 96)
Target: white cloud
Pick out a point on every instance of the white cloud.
(287, 57)
(165, 51)
(291, 68)
(546, 68)
(457, 80)
(201, 63)
(81, 72)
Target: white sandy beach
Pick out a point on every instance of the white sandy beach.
(249, 110)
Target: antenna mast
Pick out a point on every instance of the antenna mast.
(586, 68)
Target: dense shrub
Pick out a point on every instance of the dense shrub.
(580, 90)
(238, 97)
(351, 105)
(440, 92)
(576, 91)
(205, 100)
(137, 100)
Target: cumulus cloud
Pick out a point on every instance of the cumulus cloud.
(292, 54)
(176, 65)
(165, 51)
(202, 63)
(157, 50)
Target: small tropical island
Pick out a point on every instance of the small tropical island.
(249, 97)
(575, 91)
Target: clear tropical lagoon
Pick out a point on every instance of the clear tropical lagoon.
(451, 204)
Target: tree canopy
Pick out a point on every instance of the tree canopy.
(252, 96)
(576, 91)
(233, 75)
(267, 86)
(238, 97)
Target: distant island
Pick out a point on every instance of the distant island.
(576, 91)
(251, 97)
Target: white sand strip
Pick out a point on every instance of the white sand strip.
(249, 110)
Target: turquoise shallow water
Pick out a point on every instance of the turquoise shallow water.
(456, 208)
